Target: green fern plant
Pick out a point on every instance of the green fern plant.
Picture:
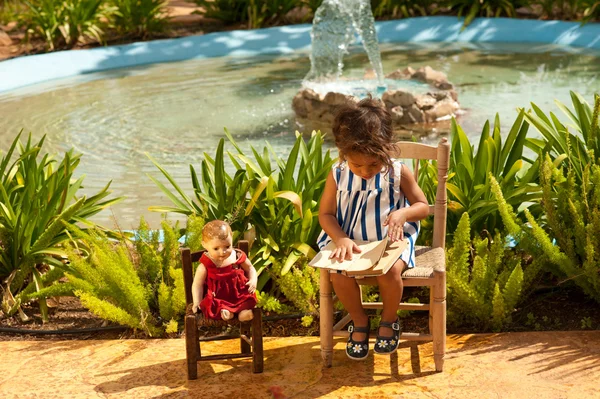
(573, 219)
(485, 280)
(300, 286)
(107, 283)
(159, 268)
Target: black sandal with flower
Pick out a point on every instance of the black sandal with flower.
(388, 345)
(357, 350)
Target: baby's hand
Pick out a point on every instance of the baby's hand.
(395, 222)
(251, 285)
(345, 248)
(195, 307)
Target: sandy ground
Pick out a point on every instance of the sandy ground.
(508, 365)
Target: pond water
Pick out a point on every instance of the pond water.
(176, 111)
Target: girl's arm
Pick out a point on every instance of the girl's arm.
(198, 286)
(418, 209)
(252, 275)
(328, 221)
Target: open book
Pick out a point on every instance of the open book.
(376, 258)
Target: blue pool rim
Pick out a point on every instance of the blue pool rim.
(28, 70)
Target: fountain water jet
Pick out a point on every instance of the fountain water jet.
(417, 99)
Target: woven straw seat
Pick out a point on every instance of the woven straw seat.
(427, 260)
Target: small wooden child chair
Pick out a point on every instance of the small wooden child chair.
(251, 344)
(430, 270)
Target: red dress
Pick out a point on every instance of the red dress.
(225, 288)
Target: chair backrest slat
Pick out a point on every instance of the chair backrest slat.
(441, 154)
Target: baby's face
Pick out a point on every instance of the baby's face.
(218, 249)
(362, 165)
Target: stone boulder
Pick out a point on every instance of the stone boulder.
(398, 97)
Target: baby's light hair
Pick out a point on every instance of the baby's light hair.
(216, 229)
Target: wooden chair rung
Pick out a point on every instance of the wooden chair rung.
(245, 338)
(340, 324)
(418, 281)
(224, 357)
(401, 306)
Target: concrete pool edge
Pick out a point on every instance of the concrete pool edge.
(28, 70)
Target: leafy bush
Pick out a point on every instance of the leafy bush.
(140, 18)
(10, 11)
(280, 205)
(139, 285)
(66, 23)
(573, 219)
(403, 8)
(108, 284)
(469, 176)
(471, 9)
(38, 198)
(256, 13)
(559, 142)
(485, 287)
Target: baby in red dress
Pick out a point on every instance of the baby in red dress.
(221, 288)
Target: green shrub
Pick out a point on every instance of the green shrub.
(66, 23)
(106, 281)
(573, 218)
(38, 199)
(469, 177)
(471, 9)
(139, 285)
(140, 18)
(10, 11)
(280, 203)
(403, 8)
(484, 280)
(256, 13)
(558, 141)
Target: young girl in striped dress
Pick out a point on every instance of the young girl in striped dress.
(367, 196)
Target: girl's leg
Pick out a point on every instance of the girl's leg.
(390, 290)
(348, 292)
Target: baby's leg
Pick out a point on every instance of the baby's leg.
(348, 292)
(390, 290)
(226, 314)
(246, 315)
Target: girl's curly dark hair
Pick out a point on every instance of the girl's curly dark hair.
(364, 127)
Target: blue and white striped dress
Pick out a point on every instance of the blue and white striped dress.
(363, 205)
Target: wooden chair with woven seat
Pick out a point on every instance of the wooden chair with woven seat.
(251, 344)
(430, 268)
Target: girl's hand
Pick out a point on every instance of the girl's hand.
(395, 222)
(344, 249)
(251, 285)
(195, 307)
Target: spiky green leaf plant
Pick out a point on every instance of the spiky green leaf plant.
(38, 199)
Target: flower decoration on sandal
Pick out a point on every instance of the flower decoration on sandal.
(386, 345)
(357, 350)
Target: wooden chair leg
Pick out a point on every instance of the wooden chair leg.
(244, 330)
(192, 346)
(326, 318)
(257, 342)
(431, 301)
(439, 319)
